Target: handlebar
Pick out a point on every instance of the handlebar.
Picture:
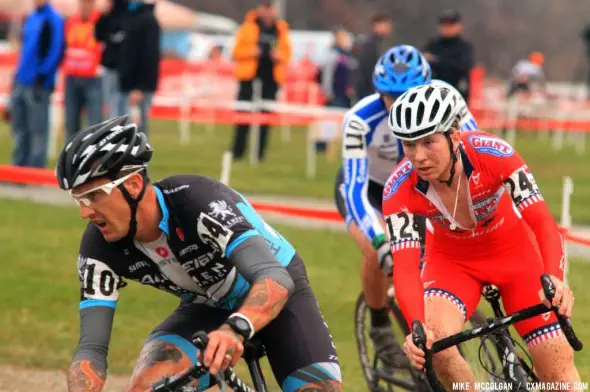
(174, 384)
(419, 334)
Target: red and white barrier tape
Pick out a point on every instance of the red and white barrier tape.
(34, 176)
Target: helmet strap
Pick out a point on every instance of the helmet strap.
(133, 203)
(449, 182)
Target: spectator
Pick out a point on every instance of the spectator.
(369, 53)
(335, 80)
(81, 68)
(139, 63)
(262, 51)
(41, 52)
(527, 75)
(335, 71)
(450, 56)
(109, 31)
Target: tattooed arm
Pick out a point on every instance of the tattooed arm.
(264, 302)
(85, 376)
(88, 369)
(271, 282)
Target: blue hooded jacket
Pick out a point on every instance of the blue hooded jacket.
(42, 48)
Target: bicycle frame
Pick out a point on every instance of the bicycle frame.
(512, 366)
(252, 355)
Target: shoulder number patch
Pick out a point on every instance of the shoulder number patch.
(97, 280)
(523, 188)
(491, 145)
(213, 233)
(403, 231)
(354, 143)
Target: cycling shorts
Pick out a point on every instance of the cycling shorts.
(297, 338)
(516, 272)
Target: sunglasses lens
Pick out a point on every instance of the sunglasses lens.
(81, 201)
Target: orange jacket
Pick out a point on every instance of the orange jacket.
(245, 46)
(82, 55)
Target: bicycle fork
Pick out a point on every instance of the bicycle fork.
(512, 368)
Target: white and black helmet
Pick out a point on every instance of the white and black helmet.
(423, 111)
(102, 150)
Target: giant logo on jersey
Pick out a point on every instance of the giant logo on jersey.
(491, 145)
(396, 179)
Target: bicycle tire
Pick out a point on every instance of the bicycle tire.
(368, 364)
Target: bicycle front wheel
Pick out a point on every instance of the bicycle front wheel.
(379, 380)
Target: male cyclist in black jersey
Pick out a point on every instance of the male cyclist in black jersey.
(193, 237)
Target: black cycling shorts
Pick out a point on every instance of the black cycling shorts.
(374, 194)
(296, 338)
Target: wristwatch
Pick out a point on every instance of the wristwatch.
(240, 325)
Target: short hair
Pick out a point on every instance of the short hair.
(380, 17)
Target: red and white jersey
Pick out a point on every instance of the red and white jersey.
(502, 191)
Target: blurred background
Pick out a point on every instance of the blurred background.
(272, 132)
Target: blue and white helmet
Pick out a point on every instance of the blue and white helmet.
(399, 69)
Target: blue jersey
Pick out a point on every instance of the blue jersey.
(370, 153)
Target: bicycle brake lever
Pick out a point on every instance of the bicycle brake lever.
(548, 287)
(419, 339)
(201, 340)
(564, 322)
(419, 335)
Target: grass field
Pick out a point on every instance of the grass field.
(39, 292)
(283, 173)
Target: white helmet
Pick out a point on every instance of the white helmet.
(423, 111)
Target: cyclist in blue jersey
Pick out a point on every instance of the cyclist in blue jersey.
(370, 153)
(197, 239)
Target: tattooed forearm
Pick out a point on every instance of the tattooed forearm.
(84, 376)
(264, 302)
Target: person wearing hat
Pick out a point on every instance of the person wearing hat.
(450, 55)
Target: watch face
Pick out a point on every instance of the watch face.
(242, 324)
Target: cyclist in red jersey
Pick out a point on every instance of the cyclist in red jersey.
(490, 225)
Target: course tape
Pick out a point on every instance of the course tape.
(35, 176)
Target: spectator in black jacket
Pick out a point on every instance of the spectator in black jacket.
(109, 30)
(370, 51)
(450, 56)
(139, 62)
